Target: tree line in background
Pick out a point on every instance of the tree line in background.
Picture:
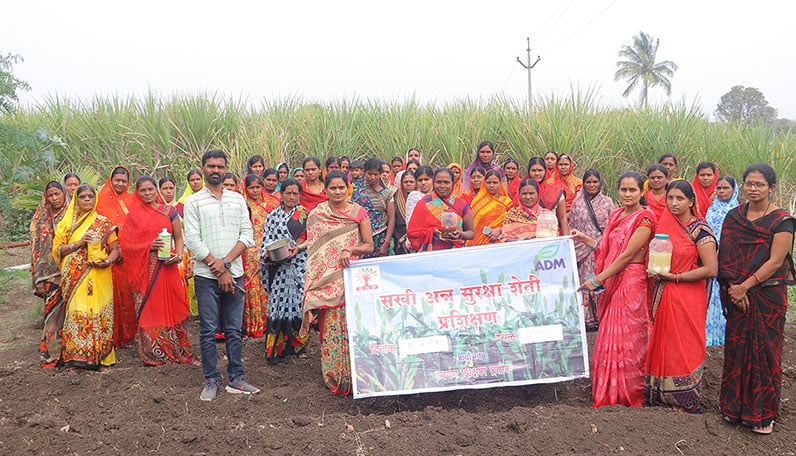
(161, 137)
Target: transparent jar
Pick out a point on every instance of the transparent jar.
(660, 254)
(546, 224)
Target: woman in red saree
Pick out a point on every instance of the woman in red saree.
(755, 267)
(44, 270)
(655, 196)
(161, 303)
(255, 306)
(679, 305)
(620, 349)
(425, 229)
(489, 209)
(512, 170)
(114, 202)
(168, 191)
(312, 189)
(551, 192)
(337, 232)
(704, 184)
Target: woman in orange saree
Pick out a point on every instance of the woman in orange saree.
(255, 306)
(158, 289)
(44, 270)
(458, 171)
(87, 285)
(679, 305)
(337, 232)
(489, 209)
(620, 349)
(562, 177)
(113, 202)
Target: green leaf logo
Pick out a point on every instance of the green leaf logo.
(548, 251)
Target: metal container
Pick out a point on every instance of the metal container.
(278, 250)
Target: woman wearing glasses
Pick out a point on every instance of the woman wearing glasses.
(86, 281)
(755, 267)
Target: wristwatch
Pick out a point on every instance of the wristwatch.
(227, 264)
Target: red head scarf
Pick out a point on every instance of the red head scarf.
(705, 195)
(112, 205)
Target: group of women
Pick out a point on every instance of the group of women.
(98, 295)
(727, 259)
(652, 327)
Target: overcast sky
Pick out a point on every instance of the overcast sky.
(432, 50)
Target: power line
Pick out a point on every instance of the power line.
(545, 32)
(582, 27)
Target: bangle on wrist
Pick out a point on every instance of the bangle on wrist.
(594, 246)
(757, 278)
(595, 283)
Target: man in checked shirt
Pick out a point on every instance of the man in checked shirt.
(217, 231)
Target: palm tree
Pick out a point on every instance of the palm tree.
(639, 66)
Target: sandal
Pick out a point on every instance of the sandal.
(764, 430)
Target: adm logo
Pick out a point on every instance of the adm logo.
(546, 259)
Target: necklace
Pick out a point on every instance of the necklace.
(748, 215)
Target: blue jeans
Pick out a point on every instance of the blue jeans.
(210, 297)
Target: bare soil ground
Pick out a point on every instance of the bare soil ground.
(132, 409)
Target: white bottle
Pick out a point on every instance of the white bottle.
(164, 253)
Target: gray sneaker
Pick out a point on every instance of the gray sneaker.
(210, 390)
(241, 386)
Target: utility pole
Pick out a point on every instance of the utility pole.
(529, 67)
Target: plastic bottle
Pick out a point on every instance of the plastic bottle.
(546, 224)
(164, 253)
(94, 249)
(660, 254)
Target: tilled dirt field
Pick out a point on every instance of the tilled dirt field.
(131, 409)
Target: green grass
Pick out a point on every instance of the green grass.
(168, 136)
(10, 280)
